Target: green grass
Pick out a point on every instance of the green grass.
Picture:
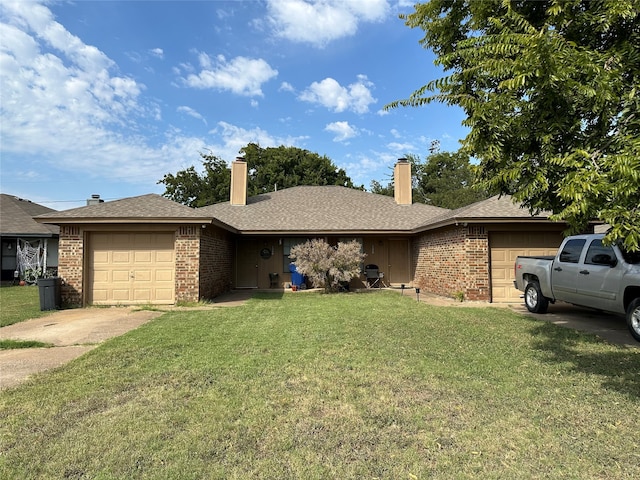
(13, 344)
(19, 303)
(332, 386)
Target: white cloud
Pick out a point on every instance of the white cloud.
(241, 75)
(401, 147)
(63, 108)
(318, 22)
(330, 94)
(286, 87)
(394, 133)
(342, 130)
(191, 112)
(157, 52)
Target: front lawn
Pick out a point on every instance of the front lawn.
(19, 303)
(313, 386)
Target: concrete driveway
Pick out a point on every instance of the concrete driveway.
(72, 332)
(612, 328)
(75, 332)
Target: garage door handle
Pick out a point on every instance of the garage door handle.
(558, 269)
(584, 272)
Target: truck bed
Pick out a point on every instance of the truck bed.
(539, 257)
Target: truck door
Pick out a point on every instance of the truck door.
(599, 277)
(566, 266)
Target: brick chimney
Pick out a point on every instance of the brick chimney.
(239, 182)
(402, 182)
(94, 200)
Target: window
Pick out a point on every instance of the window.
(598, 254)
(287, 245)
(571, 251)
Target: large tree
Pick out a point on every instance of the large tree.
(269, 169)
(284, 167)
(550, 90)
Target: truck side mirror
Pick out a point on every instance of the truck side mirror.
(604, 259)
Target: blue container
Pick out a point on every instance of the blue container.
(297, 279)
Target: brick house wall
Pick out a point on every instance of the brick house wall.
(453, 260)
(187, 258)
(216, 262)
(70, 264)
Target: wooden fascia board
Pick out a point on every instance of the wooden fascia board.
(115, 220)
(480, 221)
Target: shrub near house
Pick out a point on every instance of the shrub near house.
(327, 266)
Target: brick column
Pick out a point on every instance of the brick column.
(70, 264)
(187, 263)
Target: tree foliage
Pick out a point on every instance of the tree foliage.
(195, 189)
(269, 169)
(327, 266)
(445, 179)
(285, 167)
(550, 90)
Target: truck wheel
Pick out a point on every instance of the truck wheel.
(534, 300)
(633, 318)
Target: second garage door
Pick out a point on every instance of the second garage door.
(505, 247)
(131, 268)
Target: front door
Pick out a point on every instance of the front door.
(399, 270)
(247, 256)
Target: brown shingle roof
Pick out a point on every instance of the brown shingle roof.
(16, 218)
(495, 209)
(321, 209)
(151, 208)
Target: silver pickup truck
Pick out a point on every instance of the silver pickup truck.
(584, 272)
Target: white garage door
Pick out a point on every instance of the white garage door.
(505, 247)
(131, 268)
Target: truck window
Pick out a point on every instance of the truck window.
(598, 254)
(571, 250)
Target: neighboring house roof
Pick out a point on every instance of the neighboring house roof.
(322, 210)
(497, 209)
(149, 208)
(16, 218)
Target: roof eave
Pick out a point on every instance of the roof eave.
(306, 233)
(134, 220)
(482, 220)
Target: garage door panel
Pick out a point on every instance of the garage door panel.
(142, 295)
(164, 275)
(164, 257)
(120, 294)
(121, 257)
(119, 276)
(164, 295)
(131, 268)
(142, 275)
(142, 257)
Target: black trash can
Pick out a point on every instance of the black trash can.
(49, 293)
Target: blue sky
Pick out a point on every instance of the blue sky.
(106, 97)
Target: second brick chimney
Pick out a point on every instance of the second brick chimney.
(402, 182)
(239, 182)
